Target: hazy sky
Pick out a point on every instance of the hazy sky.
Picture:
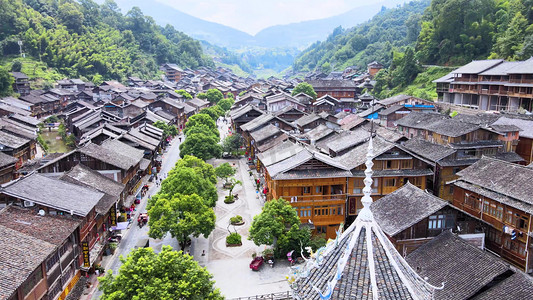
(253, 15)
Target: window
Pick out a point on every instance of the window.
(451, 189)
(320, 229)
(304, 211)
(318, 189)
(416, 181)
(407, 164)
(358, 185)
(32, 281)
(437, 222)
(473, 202)
(307, 189)
(387, 164)
(389, 182)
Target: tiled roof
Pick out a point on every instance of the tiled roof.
(394, 99)
(318, 133)
(404, 208)
(356, 156)
(252, 125)
(452, 127)
(463, 268)
(264, 133)
(304, 120)
(51, 229)
(343, 142)
(478, 66)
(20, 255)
(85, 176)
(517, 286)
(6, 160)
(273, 142)
(508, 179)
(525, 125)
(482, 120)
(108, 156)
(115, 145)
(428, 150)
(318, 84)
(54, 193)
(11, 140)
(419, 120)
(524, 67)
(392, 109)
(279, 153)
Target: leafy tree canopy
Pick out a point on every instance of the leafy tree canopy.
(306, 88)
(224, 171)
(201, 145)
(226, 104)
(200, 119)
(200, 166)
(168, 130)
(188, 181)
(279, 224)
(214, 95)
(6, 83)
(214, 112)
(182, 216)
(184, 93)
(232, 143)
(145, 275)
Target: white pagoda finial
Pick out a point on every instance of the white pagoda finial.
(366, 214)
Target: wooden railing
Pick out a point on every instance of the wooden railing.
(315, 198)
(273, 296)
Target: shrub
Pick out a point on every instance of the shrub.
(233, 239)
(229, 199)
(235, 220)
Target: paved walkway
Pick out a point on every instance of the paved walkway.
(230, 265)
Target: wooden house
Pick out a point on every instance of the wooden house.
(7, 167)
(258, 123)
(418, 217)
(242, 115)
(172, 72)
(476, 273)
(335, 88)
(414, 124)
(315, 185)
(499, 194)
(308, 122)
(393, 167)
(524, 145)
(373, 68)
(21, 84)
(281, 100)
(289, 113)
(389, 116)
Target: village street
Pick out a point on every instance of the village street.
(229, 265)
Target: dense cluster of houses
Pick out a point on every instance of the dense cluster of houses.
(469, 174)
(432, 174)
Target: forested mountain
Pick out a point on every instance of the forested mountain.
(372, 40)
(82, 38)
(457, 31)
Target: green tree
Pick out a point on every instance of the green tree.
(182, 216)
(6, 83)
(71, 16)
(225, 104)
(201, 96)
(168, 130)
(212, 112)
(145, 275)
(232, 143)
(214, 95)
(508, 44)
(229, 95)
(202, 129)
(224, 171)
(184, 93)
(16, 66)
(306, 88)
(278, 225)
(199, 166)
(202, 146)
(200, 119)
(188, 181)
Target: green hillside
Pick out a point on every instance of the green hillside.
(373, 40)
(98, 42)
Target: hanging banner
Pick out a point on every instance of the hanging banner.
(114, 215)
(85, 251)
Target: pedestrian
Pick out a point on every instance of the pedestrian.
(180, 139)
(203, 252)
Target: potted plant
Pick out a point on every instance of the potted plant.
(237, 220)
(229, 199)
(113, 247)
(233, 240)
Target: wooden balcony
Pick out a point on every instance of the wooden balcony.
(316, 199)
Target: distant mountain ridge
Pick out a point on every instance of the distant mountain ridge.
(294, 35)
